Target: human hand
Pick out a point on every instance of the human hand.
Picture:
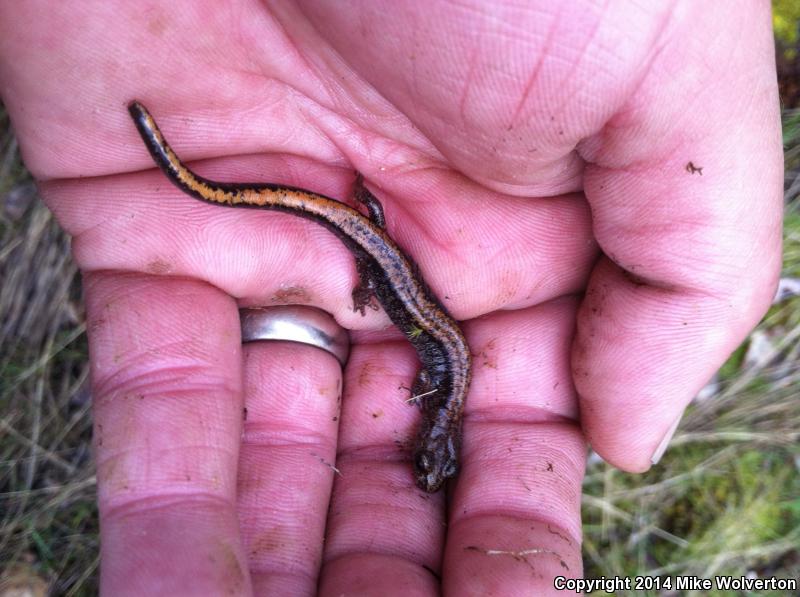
(505, 147)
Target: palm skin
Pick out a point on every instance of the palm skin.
(533, 163)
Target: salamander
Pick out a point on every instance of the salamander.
(385, 272)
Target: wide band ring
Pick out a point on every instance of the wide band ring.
(296, 323)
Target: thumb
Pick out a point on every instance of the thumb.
(686, 195)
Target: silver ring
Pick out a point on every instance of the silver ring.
(295, 323)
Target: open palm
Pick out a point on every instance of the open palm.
(523, 156)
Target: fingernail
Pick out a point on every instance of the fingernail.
(662, 447)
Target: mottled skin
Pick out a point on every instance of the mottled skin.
(385, 272)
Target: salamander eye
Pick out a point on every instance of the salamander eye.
(450, 469)
(422, 462)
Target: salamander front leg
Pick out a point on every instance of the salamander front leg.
(422, 389)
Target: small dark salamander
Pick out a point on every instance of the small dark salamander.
(384, 271)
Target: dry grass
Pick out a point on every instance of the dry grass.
(48, 518)
(725, 499)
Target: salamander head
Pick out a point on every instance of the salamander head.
(435, 461)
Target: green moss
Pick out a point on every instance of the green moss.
(785, 16)
(733, 365)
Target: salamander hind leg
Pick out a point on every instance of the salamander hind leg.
(364, 292)
(370, 201)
